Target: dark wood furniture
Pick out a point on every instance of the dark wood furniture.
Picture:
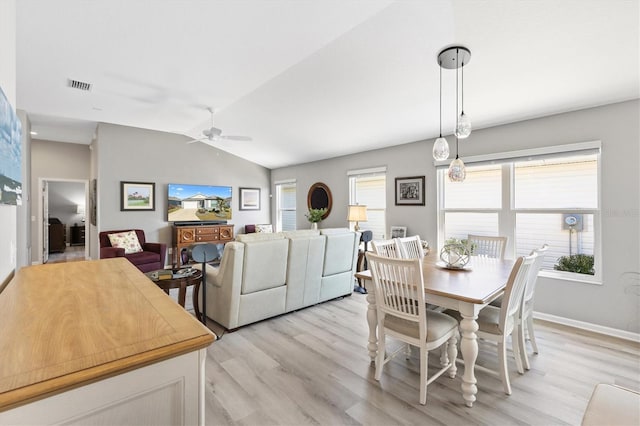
(181, 284)
(57, 235)
(185, 236)
(77, 235)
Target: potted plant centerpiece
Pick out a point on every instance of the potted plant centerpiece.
(314, 216)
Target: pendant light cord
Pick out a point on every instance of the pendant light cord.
(440, 63)
(462, 87)
(456, 130)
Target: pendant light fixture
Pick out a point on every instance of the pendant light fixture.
(440, 146)
(463, 127)
(454, 58)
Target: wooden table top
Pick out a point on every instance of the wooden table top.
(69, 324)
(480, 284)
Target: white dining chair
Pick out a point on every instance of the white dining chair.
(525, 319)
(480, 245)
(496, 324)
(400, 305)
(525, 323)
(386, 248)
(410, 247)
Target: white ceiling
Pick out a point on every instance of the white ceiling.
(316, 79)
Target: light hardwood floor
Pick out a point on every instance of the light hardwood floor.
(312, 367)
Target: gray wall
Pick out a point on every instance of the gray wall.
(615, 303)
(139, 155)
(55, 161)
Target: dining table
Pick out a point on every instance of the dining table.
(466, 290)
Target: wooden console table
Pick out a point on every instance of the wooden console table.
(185, 236)
(98, 342)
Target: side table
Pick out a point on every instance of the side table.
(181, 283)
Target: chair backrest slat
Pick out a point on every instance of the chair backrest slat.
(410, 247)
(533, 275)
(480, 245)
(386, 248)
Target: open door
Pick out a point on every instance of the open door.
(45, 221)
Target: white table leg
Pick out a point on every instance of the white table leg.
(372, 321)
(469, 349)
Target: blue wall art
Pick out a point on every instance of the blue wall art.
(10, 154)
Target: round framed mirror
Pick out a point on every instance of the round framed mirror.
(319, 197)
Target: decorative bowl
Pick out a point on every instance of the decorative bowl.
(455, 255)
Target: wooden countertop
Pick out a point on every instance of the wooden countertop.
(69, 324)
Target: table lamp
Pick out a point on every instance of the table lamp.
(357, 213)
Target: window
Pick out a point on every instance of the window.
(368, 187)
(285, 206)
(550, 198)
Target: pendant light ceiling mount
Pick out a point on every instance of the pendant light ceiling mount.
(454, 57)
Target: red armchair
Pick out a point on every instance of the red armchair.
(151, 257)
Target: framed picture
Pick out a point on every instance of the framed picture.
(398, 231)
(93, 205)
(10, 154)
(410, 191)
(249, 198)
(137, 196)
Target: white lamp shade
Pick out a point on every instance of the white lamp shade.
(80, 208)
(357, 213)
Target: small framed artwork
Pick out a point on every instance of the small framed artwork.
(398, 231)
(249, 198)
(410, 191)
(137, 196)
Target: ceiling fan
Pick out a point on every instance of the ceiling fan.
(213, 134)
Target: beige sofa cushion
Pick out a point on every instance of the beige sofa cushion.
(262, 236)
(304, 271)
(338, 256)
(265, 264)
(301, 233)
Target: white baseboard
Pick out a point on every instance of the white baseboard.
(613, 332)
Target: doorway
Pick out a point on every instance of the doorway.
(64, 233)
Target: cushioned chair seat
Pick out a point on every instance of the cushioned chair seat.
(439, 325)
(144, 257)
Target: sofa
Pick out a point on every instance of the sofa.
(151, 257)
(262, 275)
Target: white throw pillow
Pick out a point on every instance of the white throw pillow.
(126, 240)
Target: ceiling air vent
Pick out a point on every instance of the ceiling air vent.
(80, 85)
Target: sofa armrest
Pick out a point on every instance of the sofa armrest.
(155, 247)
(109, 252)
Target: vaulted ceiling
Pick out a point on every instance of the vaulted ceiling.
(315, 79)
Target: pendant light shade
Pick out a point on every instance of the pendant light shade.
(440, 149)
(457, 171)
(463, 129)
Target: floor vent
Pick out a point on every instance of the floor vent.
(80, 85)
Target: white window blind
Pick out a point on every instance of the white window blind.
(286, 206)
(369, 189)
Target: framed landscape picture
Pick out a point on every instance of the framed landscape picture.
(137, 196)
(249, 198)
(410, 191)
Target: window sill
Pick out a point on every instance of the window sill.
(570, 276)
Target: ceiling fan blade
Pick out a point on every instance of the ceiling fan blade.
(237, 138)
(197, 140)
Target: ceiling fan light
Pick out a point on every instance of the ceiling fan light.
(463, 128)
(457, 171)
(440, 149)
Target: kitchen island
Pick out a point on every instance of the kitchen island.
(98, 342)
